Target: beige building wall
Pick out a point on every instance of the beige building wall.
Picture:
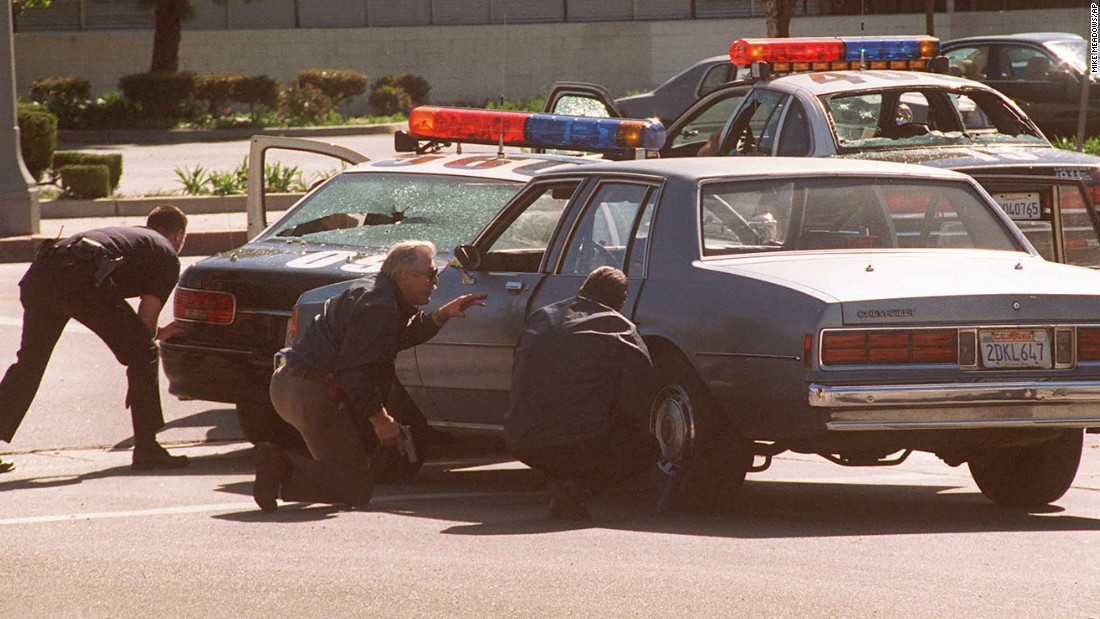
(472, 63)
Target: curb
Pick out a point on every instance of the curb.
(70, 137)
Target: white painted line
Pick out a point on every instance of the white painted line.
(223, 507)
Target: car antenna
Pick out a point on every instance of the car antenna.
(862, 46)
(503, 50)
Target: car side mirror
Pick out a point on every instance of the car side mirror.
(465, 258)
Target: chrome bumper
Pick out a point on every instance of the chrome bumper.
(960, 405)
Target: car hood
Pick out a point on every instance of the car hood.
(272, 275)
(930, 286)
(994, 159)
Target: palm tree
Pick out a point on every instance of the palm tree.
(778, 14)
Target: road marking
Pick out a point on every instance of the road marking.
(219, 507)
(71, 327)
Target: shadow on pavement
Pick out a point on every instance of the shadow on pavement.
(221, 424)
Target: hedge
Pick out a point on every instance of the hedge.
(37, 138)
(340, 85)
(86, 182)
(112, 161)
(257, 90)
(160, 94)
(388, 100)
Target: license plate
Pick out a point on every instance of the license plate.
(1022, 206)
(1015, 348)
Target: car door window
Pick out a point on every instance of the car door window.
(1025, 64)
(755, 128)
(603, 233)
(968, 62)
(794, 140)
(636, 257)
(716, 76)
(519, 243)
(708, 121)
(577, 105)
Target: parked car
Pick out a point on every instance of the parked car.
(930, 119)
(852, 309)
(236, 305)
(667, 101)
(1040, 71)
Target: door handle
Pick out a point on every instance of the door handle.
(513, 287)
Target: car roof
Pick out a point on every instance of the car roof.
(697, 168)
(855, 81)
(1023, 37)
(511, 167)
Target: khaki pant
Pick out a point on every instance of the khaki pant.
(340, 470)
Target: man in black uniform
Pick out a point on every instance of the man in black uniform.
(338, 374)
(88, 277)
(581, 391)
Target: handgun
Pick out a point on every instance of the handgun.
(408, 444)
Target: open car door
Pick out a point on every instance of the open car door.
(706, 117)
(580, 99)
(256, 204)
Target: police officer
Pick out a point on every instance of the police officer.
(581, 394)
(88, 277)
(338, 374)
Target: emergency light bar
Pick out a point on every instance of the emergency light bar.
(836, 53)
(534, 130)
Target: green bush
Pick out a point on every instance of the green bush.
(85, 181)
(216, 90)
(388, 100)
(66, 97)
(37, 138)
(417, 88)
(160, 94)
(257, 90)
(306, 103)
(340, 85)
(112, 111)
(112, 161)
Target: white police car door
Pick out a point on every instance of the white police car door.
(466, 368)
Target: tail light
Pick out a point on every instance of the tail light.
(1088, 344)
(1094, 193)
(292, 328)
(204, 306)
(924, 346)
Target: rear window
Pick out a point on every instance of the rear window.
(847, 213)
(377, 210)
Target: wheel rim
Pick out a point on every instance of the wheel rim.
(674, 427)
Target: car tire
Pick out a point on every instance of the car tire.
(702, 457)
(261, 424)
(1029, 476)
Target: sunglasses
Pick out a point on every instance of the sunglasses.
(433, 273)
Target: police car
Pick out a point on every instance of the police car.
(236, 305)
(869, 98)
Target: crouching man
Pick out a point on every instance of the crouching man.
(581, 388)
(337, 376)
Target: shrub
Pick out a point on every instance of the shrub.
(159, 94)
(305, 102)
(216, 90)
(66, 97)
(417, 88)
(388, 100)
(257, 90)
(340, 85)
(37, 138)
(112, 161)
(112, 111)
(85, 181)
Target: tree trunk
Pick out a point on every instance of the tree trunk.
(166, 37)
(778, 14)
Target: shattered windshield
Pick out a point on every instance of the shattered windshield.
(924, 117)
(377, 210)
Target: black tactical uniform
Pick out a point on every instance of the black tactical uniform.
(88, 277)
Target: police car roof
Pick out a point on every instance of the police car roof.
(698, 168)
(1022, 37)
(512, 167)
(832, 82)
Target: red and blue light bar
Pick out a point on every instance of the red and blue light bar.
(534, 130)
(835, 53)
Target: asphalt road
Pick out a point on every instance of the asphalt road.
(83, 535)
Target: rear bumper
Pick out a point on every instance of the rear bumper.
(198, 372)
(1070, 404)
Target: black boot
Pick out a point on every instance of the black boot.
(272, 471)
(6, 466)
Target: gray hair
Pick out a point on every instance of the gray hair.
(606, 285)
(402, 257)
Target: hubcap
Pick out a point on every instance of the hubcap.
(674, 427)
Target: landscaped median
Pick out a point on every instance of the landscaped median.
(217, 223)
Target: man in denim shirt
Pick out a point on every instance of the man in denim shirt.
(338, 374)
